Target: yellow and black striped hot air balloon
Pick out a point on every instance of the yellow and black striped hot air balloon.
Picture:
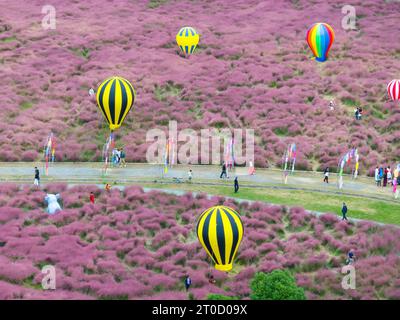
(220, 231)
(187, 39)
(115, 97)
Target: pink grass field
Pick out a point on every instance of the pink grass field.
(140, 245)
(251, 70)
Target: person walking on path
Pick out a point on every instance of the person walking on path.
(344, 212)
(37, 177)
(326, 175)
(236, 184)
(377, 176)
(190, 175)
(223, 173)
(91, 198)
(252, 170)
(188, 282)
(122, 158)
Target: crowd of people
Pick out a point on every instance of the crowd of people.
(118, 157)
(386, 177)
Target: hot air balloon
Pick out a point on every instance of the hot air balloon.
(320, 38)
(393, 89)
(115, 97)
(220, 231)
(187, 39)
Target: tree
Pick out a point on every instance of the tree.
(277, 285)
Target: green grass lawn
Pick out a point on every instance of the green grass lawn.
(369, 209)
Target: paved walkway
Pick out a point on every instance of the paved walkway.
(81, 173)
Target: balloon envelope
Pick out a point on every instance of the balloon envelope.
(115, 97)
(393, 89)
(187, 39)
(320, 38)
(220, 231)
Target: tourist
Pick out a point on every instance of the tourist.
(389, 176)
(251, 169)
(344, 212)
(188, 282)
(380, 176)
(190, 175)
(211, 279)
(395, 189)
(91, 198)
(236, 184)
(377, 179)
(356, 113)
(351, 258)
(326, 175)
(223, 173)
(385, 178)
(332, 105)
(122, 158)
(37, 177)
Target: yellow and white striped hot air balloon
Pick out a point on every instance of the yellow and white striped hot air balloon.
(115, 97)
(220, 231)
(187, 40)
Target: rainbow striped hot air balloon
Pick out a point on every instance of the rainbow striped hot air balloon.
(115, 97)
(187, 39)
(220, 231)
(320, 38)
(393, 89)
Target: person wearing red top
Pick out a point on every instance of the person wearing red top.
(91, 197)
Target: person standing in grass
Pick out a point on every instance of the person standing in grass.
(344, 211)
(37, 177)
(356, 113)
(236, 184)
(188, 282)
(326, 175)
(212, 280)
(91, 198)
(332, 105)
(351, 258)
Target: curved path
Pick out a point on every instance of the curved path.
(92, 173)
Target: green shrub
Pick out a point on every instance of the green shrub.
(277, 285)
